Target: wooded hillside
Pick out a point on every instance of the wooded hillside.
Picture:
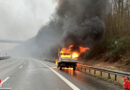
(116, 44)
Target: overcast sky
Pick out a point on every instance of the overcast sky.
(21, 19)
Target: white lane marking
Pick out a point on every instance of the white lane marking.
(64, 79)
(21, 67)
(5, 80)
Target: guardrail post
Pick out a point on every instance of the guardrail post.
(84, 69)
(89, 70)
(109, 76)
(101, 73)
(94, 72)
(115, 77)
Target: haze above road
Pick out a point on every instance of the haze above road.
(21, 19)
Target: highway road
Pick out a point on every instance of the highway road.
(33, 74)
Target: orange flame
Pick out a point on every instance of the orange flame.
(68, 53)
(82, 49)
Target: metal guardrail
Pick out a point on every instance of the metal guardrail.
(101, 70)
(90, 69)
(113, 71)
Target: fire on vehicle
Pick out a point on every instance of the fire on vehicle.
(68, 57)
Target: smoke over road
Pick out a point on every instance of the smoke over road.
(77, 22)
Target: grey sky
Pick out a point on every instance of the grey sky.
(21, 19)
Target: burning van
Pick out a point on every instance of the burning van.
(68, 57)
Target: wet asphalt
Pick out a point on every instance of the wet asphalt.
(33, 74)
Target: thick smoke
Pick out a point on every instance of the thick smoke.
(77, 22)
(82, 20)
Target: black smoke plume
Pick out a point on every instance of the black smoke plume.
(77, 22)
